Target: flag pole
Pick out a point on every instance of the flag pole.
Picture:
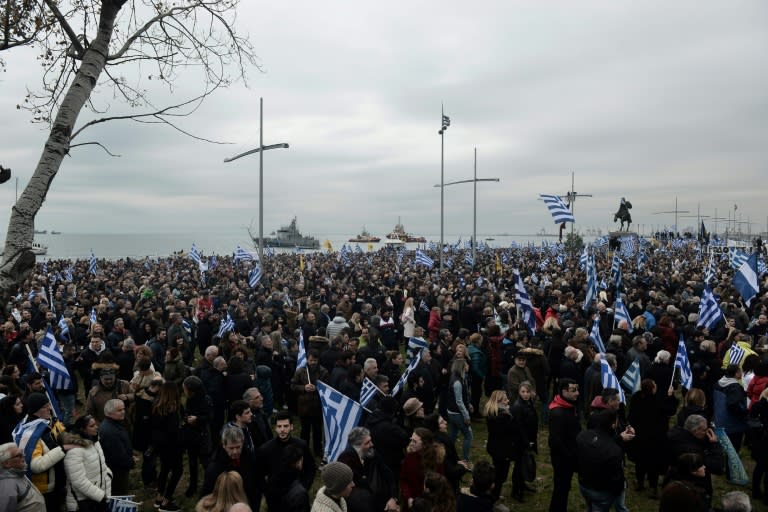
(47, 394)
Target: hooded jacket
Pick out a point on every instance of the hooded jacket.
(17, 494)
(88, 476)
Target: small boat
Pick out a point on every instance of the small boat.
(288, 236)
(41, 232)
(399, 233)
(39, 249)
(490, 239)
(55, 232)
(364, 237)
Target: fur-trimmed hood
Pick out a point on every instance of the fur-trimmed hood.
(73, 438)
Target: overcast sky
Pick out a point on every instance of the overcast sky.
(647, 100)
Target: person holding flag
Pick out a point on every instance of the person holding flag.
(37, 435)
(308, 405)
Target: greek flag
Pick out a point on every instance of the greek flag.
(681, 361)
(543, 264)
(68, 274)
(745, 279)
(93, 318)
(358, 249)
(709, 273)
(595, 335)
(609, 380)
(63, 327)
(424, 307)
(194, 254)
(399, 257)
(254, 276)
(621, 313)
(468, 259)
(368, 391)
(631, 379)
(616, 270)
(123, 504)
(591, 283)
(642, 258)
(523, 301)
(600, 242)
(50, 357)
(26, 435)
(92, 264)
(423, 259)
(301, 358)
(628, 246)
(404, 377)
(45, 267)
(340, 415)
(226, 326)
(560, 260)
(557, 209)
(709, 312)
(737, 354)
(583, 259)
(736, 257)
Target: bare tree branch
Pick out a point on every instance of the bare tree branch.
(72, 146)
(64, 24)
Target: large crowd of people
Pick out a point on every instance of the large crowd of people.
(175, 371)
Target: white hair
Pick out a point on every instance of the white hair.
(111, 406)
(5, 451)
(662, 356)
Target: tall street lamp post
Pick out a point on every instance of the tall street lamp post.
(445, 123)
(474, 210)
(260, 150)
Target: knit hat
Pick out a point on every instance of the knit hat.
(35, 402)
(336, 477)
(411, 406)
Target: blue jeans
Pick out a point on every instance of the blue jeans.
(67, 405)
(602, 501)
(455, 425)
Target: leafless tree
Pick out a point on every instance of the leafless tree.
(88, 44)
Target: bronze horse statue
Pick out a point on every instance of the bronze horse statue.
(623, 214)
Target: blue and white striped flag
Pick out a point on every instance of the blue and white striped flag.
(404, 377)
(93, 318)
(468, 259)
(226, 325)
(367, 391)
(709, 312)
(340, 415)
(523, 301)
(301, 358)
(609, 380)
(254, 276)
(621, 313)
(45, 267)
(557, 209)
(600, 242)
(68, 274)
(423, 259)
(591, 292)
(123, 504)
(399, 257)
(745, 279)
(194, 254)
(736, 354)
(595, 335)
(583, 259)
(92, 264)
(63, 328)
(26, 435)
(736, 257)
(632, 378)
(423, 306)
(50, 358)
(681, 362)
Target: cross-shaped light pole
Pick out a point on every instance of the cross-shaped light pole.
(260, 150)
(474, 210)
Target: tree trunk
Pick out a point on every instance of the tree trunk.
(18, 261)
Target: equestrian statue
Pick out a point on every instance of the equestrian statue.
(623, 214)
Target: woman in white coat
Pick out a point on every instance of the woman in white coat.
(408, 319)
(89, 480)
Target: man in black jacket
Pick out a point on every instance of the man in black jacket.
(259, 426)
(601, 462)
(564, 426)
(228, 458)
(116, 443)
(696, 437)
(375, 487)
(270, 453)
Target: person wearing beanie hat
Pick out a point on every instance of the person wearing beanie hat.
(47, 453)
(337, 485)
